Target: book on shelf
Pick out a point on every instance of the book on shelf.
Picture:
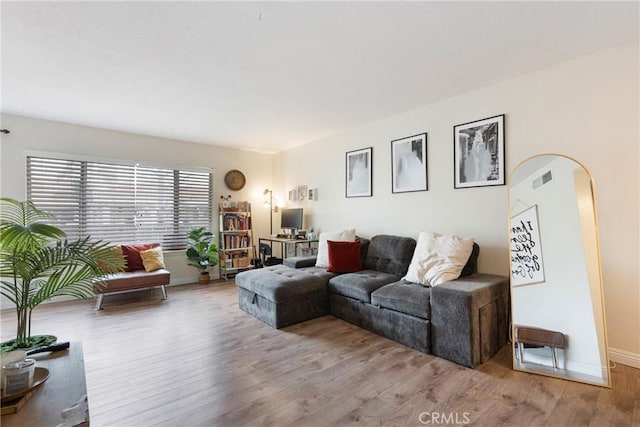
(236, 241)
(236, 222)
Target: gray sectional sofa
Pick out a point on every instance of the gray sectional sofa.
(464, 320)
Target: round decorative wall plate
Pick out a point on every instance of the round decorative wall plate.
(235, 180)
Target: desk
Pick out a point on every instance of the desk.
(283, 242)
(65, 387)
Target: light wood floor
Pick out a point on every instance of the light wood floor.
(197, 360)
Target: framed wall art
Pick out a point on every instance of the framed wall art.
(359, 168)
(302, 193)
(479, 153)
(525, 248)
(409, 164)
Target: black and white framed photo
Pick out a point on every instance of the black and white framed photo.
(302, 193)
(479, 153)
(359, 173)
(409, 164)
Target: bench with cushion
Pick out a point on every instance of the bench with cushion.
(139, 273)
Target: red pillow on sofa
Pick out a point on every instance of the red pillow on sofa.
(132, 256)
(344, 257)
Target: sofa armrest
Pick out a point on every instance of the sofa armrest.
(300, 261)
(469, 318)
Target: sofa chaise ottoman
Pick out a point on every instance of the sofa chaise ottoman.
(281, 296)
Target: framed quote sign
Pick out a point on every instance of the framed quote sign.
(525, 248)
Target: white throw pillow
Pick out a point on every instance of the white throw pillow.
(323, 248)
(438, 258)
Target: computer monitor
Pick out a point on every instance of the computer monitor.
(291, 219)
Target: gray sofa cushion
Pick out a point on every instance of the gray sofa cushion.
(281, 283)
(300, 261)
(390, 254)
(364, 248)
(320, 272)
(359, 285)
(405, 297)
(472, 263)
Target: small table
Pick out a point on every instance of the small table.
(540, 337)
(65, 388)
(284, 241)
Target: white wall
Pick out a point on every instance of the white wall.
(28, 134)
(586, 108)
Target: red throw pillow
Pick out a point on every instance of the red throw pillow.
(132, 256)
(344, 257)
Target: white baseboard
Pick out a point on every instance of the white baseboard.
(625, 357)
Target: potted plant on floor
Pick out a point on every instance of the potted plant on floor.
(37, 263)
(202, 252)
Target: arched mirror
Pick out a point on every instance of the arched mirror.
(558, 321)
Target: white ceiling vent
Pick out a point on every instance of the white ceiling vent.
(541, 180)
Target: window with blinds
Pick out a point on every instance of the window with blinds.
(121, 203)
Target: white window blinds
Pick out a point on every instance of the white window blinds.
(121, 203)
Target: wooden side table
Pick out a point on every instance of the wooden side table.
(62, 399)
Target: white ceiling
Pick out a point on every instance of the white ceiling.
(272, 75)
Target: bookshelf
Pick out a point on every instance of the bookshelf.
(235, 246)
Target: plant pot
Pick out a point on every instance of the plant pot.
(204, 278)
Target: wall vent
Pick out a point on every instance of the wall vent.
(542, 179)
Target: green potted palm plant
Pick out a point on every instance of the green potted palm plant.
(38, 263)
(202, 252)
